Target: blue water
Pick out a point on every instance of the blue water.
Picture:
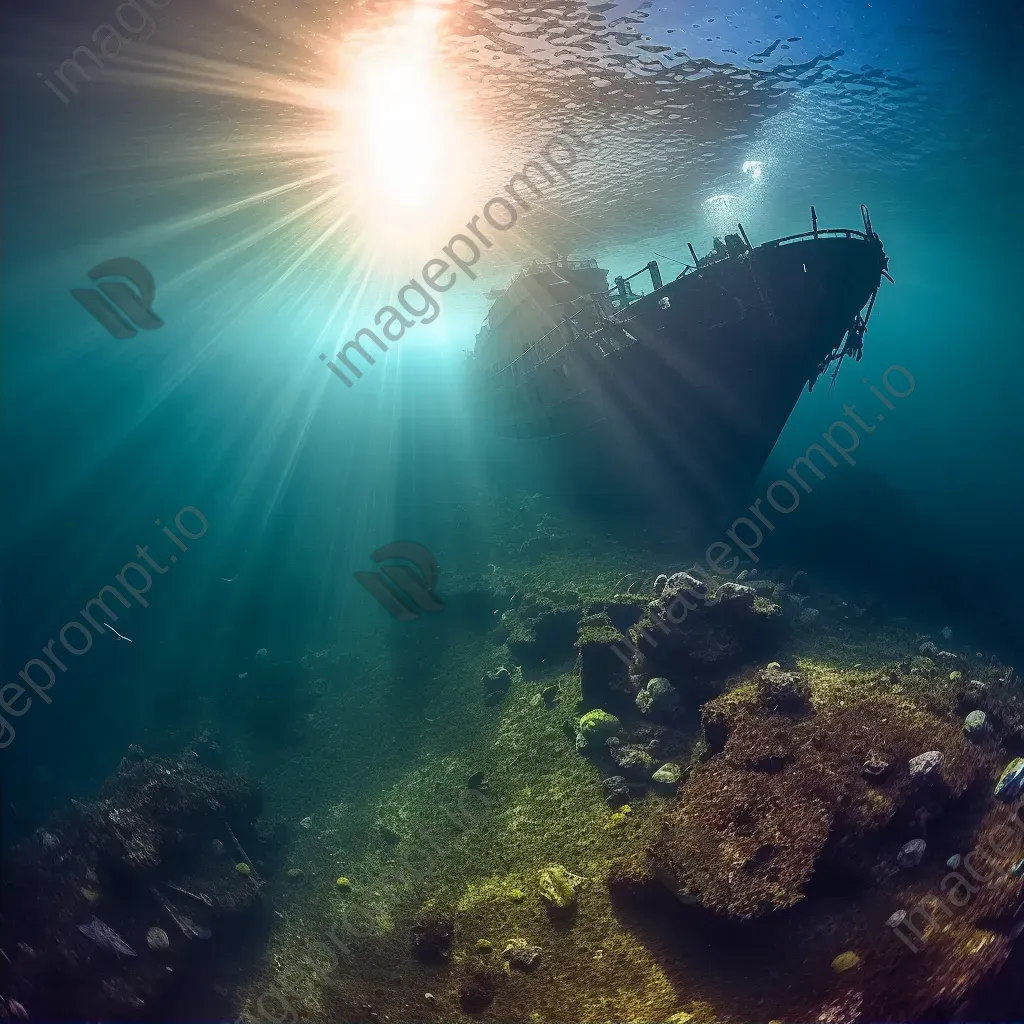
(211, 157)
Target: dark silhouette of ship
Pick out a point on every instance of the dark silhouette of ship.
(680, 393)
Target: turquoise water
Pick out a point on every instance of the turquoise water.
(198, 163)
(234, 155)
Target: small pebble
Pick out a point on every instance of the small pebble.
(924, 765)
(896, 919)
(261, 653)
(912, 853)
(976, 724)
(306, 822)
(157, 940)
(845, 962)
(429, 997)
(875, 767)
(1011, 782)
(954, 862)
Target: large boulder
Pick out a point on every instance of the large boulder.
(120, 908)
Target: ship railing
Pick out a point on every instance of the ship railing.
(567, 264)
(817, 233)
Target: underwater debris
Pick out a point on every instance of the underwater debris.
(245, 866)
(261, 653)
(200, 896)
(171, 810)
(105, 937)
(875, 767)
(187, 926)
(306, 822)
(954, 862)
(477, 781)
(157, 940)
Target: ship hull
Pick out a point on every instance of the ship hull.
(679, 398)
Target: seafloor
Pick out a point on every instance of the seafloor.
(782, 849)
(453, 852)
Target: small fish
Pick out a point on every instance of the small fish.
(105, 936)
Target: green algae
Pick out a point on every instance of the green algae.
(397, 824)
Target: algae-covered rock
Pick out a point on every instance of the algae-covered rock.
(521, 955)
(786, 691)
(658, 697)
(634, 761)
(604, 659)
(594, 728)
(558, 887)
(1011, 782)
(699, 631)
(666, 779)
(976, 725)
(753, 820)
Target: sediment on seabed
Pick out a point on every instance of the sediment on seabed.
(754, 816)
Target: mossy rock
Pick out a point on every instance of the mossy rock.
(558, 887)
(595, 727)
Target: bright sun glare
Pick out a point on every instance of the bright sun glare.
(401, 145)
